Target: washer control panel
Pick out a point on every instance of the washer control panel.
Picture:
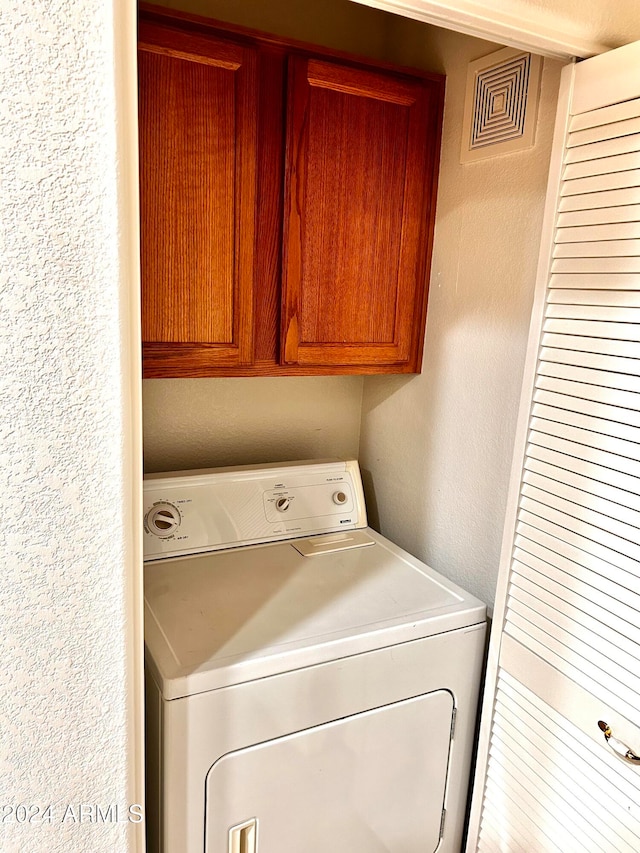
(306, 501)
(163, 519)
(190, 512)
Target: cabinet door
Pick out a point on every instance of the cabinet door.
(198, 129)
(361, 165)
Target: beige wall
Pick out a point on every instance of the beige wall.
(438, 446)
(339, 24)
(195, 423)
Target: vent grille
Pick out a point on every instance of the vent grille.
(501, 104)
(501, 99)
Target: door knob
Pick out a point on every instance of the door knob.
(616, 745)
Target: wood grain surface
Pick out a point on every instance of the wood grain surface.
(198, 160)
(357, 211)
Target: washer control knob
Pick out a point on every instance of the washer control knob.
(163, 519)
(282, 504)
(339, 498)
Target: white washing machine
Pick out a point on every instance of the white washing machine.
(311, 688)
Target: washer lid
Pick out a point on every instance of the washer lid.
(224, 618)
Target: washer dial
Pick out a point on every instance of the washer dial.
(163, 519)
(339, 498)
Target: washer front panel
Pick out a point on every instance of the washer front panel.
(374, 781)
(198, 730)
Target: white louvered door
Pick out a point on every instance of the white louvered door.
(565, 647)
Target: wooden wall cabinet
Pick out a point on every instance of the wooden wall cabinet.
(287, 204)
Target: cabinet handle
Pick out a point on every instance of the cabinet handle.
(243, 837)
(617, 746)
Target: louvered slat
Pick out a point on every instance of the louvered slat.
(510, 716)
(513, 810)
(597, 183)
(606, 346)
(611, 130)
(587, 414)
(577, 667)
(569, 417)
(620, 380)
(602, 478)
(566, 478)
(581, 519)
(584, 497)
(573, 296)
(492, 844)
(602, 249)
(583, 535)
(626, 382)
(581, 460)
(606, 115)
(589, 597)
(568, 620)
(488, 846)
(504, 840)
(570, 791)
(591, 360)
(596, 265)
(603, 166)
(514, 837)
(592, 200)
(549, 823)
(576, 566)
(565, 621)
(623, 447)
(606, 148)
(599, 313)
(599, 216)
(622, 777)
(609, 231)
(555, 819)
(520, 827)
(593, 329)
(623, 401)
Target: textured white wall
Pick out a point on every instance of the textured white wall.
(196, 423)
(69, 558)
(438, 446)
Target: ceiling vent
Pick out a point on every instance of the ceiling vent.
(501, 104)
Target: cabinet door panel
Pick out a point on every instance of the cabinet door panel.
(361, 150)
(198, 109)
